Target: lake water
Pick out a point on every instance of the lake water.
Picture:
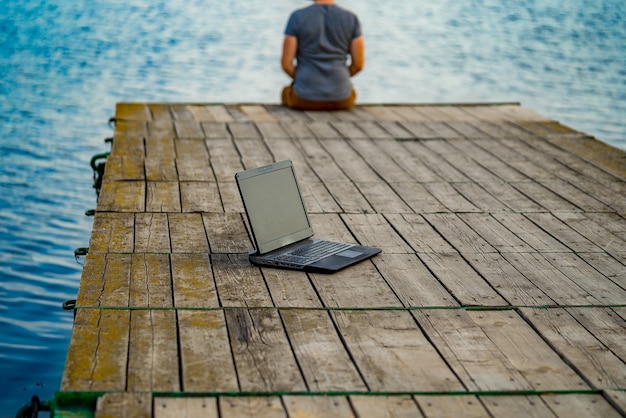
(65, 63)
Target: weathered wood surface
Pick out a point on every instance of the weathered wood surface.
(500, 291)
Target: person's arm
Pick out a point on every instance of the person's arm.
(357, 52)
(290, 47)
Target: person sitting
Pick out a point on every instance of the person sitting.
(318, 41)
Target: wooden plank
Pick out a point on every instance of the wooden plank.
(495, 233)
(617, 398)
(581, 406)
(419, 234)
(188, 129)
(129, 139)
(600, 367)
(354, 167)
(435, 162)
(162, 196)
(122, 196)
(151, 281)
(562, 232)
(192, 281)
(216, 130)
(254, 153)
(132, 111)
(511, 197)
(478, 362)
(272, 130)
(159, 129)
(311, 333)
(160, 169)
(257, 113)
(124, 168)
(383, 198)
(458, 233)
(306, 406)
(530, 233)
(200, 196)
(607, 266)
(99, 348)
(332, 227)
(200, 112)
(244, 130)
(588, 278)
(349, 130)
(373, 130)
(519, 406)
(191, 149)
(392, 353)
(225, 160)
(112, 232)
(124, 405)
(342, 189)
(359, 286)
(109, 280)
(160, 148)
(374, 230)
(560, 196)
(508, 281)
(185, 407)
(383, 113)
(607, 325)
(160, 111)
(298, 129)
(451, 406)
(593, 231)
(527, 352)
(450, 198)
(613, 222)
(411, 113)
(227, 233)
(153, 352)
(182, 112)
(411, 281)
(461, 280)
(419, 198)
(263, 356)
(220, 113)
(251, 407)
(485, 159)
(291, 289)
(551, 280)
(235, 111)
(152, 233)
(385, 406)
(195, 169)
(238, 282)
(231, 199)
(187, 234)
(205, 353)
(479, 197)
(323, 129)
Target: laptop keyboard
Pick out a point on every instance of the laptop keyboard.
(311, 252)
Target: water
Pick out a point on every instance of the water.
(65, 63)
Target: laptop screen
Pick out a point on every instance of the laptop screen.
(274, 206)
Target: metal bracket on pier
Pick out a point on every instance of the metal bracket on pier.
(98, 169)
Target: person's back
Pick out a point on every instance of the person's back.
(321, 37)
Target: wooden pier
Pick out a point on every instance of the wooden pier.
(500, 291)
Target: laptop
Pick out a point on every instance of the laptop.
(281, 229)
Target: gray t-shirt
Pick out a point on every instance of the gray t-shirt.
(325, 33)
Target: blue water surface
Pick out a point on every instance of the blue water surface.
(65, 63)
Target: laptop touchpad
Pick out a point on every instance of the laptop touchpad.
(349, 253)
